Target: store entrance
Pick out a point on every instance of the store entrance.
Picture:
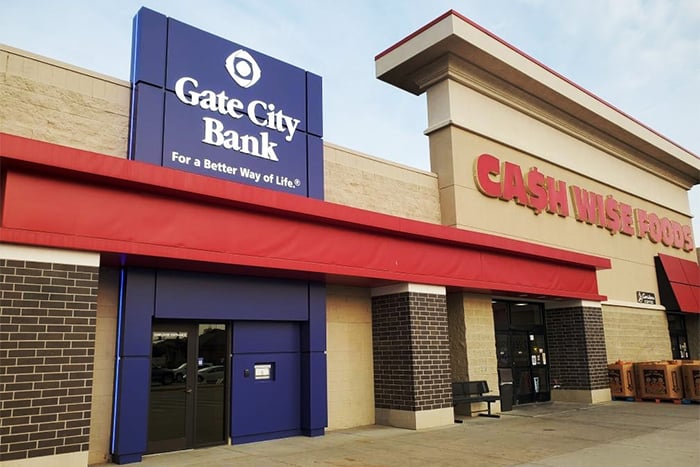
(521, 346)
(189, 383)
(679, 336)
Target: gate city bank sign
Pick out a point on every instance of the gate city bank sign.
(206, 105)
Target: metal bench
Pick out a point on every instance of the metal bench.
(469, 392)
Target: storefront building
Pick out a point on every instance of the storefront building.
(185, 262)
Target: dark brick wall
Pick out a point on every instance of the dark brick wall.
(577, 356)
(411, 352)
(47, 341)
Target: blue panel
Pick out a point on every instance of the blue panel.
(313, 333)
(148, 45)
(221, 297)
(265, 336)
(147, 124)
(317, 316)
(314, 406)
(201, 55)
(315, 178)
(242, 439)
(132, 409)
(126, 458)
(265, 409)
(259, 128)
(314, 104)
(226, 111)
(186, 126)
(139, 295)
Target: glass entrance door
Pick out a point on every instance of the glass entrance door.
(189, 383)
(522, 375)
(521, 346)
(679, 337)
(539, 367)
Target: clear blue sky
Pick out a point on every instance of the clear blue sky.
(642, 56)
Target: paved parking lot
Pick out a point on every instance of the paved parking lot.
(552, 434)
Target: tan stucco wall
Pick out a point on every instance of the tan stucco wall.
(530, 126)
(357, 180)
(51, 101)
(350, 365)
(466, 207)
(636, 334)
(103, 373)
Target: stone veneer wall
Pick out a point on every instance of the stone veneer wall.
(350, 368)
(576, 341)
(472, 343)
(411, 352)
(51, 101)
(47, 340)
(636, 334)
(357, 180)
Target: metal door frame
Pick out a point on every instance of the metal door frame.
(191, 385)
(509, 333)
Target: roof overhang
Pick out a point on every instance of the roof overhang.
(137, 213)
(407, 63)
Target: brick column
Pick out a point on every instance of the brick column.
(47, 340)
(411, 356)
(577, 355)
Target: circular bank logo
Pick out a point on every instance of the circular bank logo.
(243, 68)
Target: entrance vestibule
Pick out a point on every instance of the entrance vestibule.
(521, 346)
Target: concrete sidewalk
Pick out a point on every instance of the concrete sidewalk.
(551, 434)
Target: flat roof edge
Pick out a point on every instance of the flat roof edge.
(60, 64)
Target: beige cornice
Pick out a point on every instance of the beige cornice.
(451, 67)
(500, 71)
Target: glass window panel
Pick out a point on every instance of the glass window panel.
(500, 316)
(167, 408)
(211, 384)
(525, 316)
(503, 351)
(520, 350)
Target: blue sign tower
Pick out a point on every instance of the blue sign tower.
(213, 107)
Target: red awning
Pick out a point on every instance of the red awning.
(683, 278)
(143, 215)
